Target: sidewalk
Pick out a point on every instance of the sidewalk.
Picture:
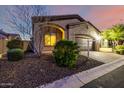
(82, 78)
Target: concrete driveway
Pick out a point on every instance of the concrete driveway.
(102, 56)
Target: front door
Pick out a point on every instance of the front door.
(50, 39)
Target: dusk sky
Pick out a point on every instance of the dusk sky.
(102, 17)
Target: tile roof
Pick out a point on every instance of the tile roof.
(4, 34)
(36, 19)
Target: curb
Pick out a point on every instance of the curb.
(84, 77)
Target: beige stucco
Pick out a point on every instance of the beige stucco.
(25, 45)
(3, 48)
(62, 23)
(75, 28)
(3, 44)
(85, 29)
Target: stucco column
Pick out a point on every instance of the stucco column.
(97, 45)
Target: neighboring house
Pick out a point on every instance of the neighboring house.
(4, 38)
(2, 44)
(47, 30)
(10, 36)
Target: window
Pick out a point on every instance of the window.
(50, 39)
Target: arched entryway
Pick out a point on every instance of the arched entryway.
(52, 36)
(52, 33)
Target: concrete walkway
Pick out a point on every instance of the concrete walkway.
(102, 56)
(82, 78)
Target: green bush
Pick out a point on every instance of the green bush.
(66, 53)
(119, 49)
(15, 54)
(15, 44)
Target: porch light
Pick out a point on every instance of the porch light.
(98, 37)
(6, 39)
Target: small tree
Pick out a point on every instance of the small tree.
(19, 20)
(106, 34)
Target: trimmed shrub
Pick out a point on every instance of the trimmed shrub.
(66, 53)
(15, 54)
(119, 49)
(15, 44)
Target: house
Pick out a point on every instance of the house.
(47, 30)
(4, 38)
(10, 36)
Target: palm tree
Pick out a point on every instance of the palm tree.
(114, 34)
(117, 33)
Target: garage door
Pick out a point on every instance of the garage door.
(83, 43)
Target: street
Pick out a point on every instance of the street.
(114, 79)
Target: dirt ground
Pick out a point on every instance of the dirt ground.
(33, 71)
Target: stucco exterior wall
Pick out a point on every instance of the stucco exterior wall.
(25, 45)
(37, 31)
(4, 49)
(62, 23)
(84, 29)
(3, 44)
(78, 29)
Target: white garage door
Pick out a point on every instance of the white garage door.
(83, 43)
